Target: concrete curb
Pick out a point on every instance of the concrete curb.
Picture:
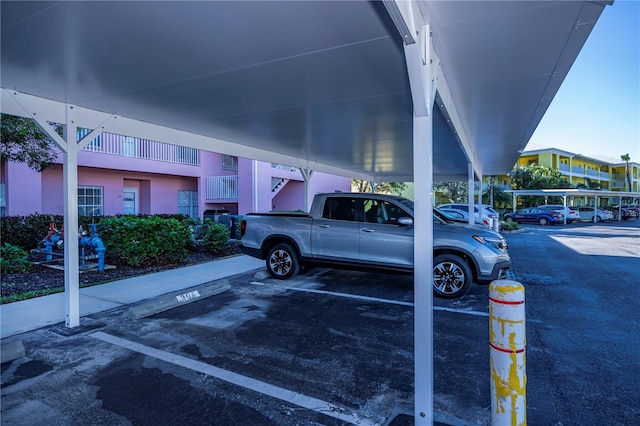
(178, 298)
(11, 351)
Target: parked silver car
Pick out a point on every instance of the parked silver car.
(486, 213)
(588, 213)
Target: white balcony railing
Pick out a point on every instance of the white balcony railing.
(577, 169)
(222, 187)
(563, 167)
(604, 175)
(126, 146)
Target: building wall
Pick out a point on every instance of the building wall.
(157, 193)
(23, 188)
(158, 183)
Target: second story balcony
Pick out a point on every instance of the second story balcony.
(126, 146)
(577, 169)
(222, 187)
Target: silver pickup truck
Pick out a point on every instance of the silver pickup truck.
(372, 231)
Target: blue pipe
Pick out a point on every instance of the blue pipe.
(48, 247)
(93, 240)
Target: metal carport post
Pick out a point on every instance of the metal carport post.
(418, 55)
(70, 147)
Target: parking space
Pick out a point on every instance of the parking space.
(336, 347)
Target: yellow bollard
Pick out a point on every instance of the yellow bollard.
(507, 340)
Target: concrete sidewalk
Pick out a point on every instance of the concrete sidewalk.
(27, 315)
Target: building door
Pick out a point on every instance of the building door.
(130, 201)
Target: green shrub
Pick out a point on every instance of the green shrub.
(145, 241)
(13, 259)
(509, 226)
(215, 236)
(27, 232)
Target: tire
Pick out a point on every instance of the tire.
(509, 219)
(452, 276)
(543, 221)
(597, 219)
(282, 261)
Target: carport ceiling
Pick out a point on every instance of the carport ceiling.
(323, 82)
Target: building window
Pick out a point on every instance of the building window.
(188, 203)
(229, 162)
(3, 199)
(90, 200)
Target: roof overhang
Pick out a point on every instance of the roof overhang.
(572, 193)
(315, 83)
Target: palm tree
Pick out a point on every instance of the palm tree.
(589, 184)
(626, 158)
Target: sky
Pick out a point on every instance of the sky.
(596, 112)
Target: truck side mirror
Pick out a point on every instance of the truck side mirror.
(405, 221)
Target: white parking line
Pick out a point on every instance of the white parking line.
(314, 404)
(375, 299)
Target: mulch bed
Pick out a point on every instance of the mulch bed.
(38, 279)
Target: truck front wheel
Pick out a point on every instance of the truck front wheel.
(282, 261)
(451, 276)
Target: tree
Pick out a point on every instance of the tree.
(451, 192)
(589, 184)
(359, 185)
(22, 141)
(626, 158)
(501, 199)
(538, 177)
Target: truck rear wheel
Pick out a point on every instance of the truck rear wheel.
(282, 261)
(452, 276)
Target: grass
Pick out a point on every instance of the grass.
(30, 295)
(17, 297)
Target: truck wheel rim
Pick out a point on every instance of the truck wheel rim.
(448, 277)
(280, 262)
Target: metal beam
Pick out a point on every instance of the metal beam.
(55, 112)
(70, 193)
(422, 92)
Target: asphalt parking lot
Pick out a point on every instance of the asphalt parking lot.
(336, 347)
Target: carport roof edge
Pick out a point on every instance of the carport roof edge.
(321, 83)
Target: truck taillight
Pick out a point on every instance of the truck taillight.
(243, 228)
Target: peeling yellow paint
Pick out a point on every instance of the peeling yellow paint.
(509, 382)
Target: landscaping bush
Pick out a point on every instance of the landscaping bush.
(215, 236)
(145, 241)
(27, 232)
(509, 226)
(13, 259)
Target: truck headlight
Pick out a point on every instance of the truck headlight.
(496, 243)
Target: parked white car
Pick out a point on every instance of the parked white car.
(587, 213)
(461, 215)
(487, 211)
(571, 213)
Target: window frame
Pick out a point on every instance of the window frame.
(84, 207)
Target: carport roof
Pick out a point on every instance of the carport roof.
(573, 193)
(318, 84)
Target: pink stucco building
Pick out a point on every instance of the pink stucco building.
(119, 174)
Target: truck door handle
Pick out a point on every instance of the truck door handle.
(324, 226)
(367, 230)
